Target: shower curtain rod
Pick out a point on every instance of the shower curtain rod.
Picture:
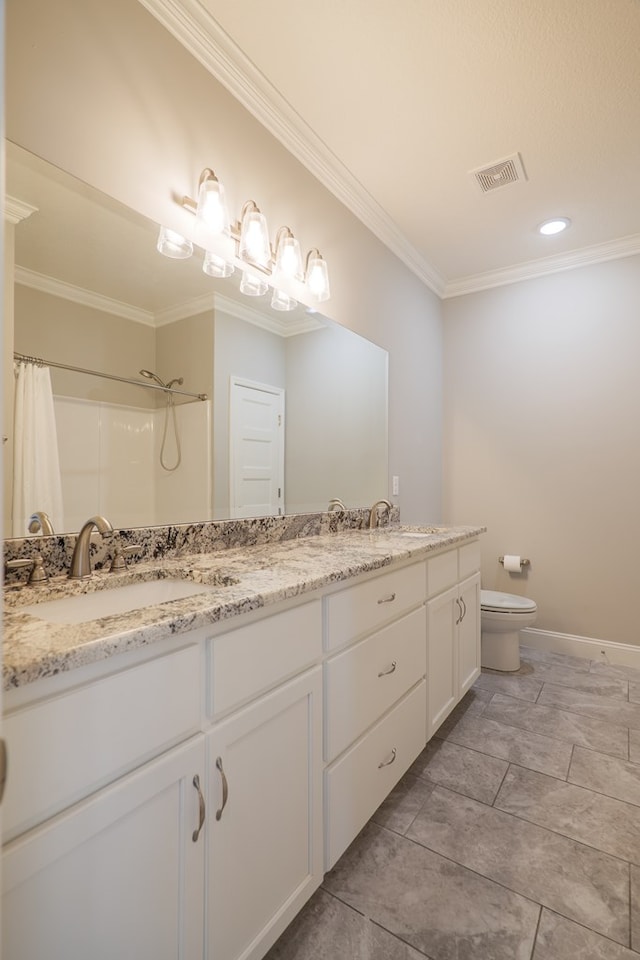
(108, 376)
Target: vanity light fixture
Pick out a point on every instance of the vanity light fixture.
(281, 301)
(248, 240)
(215, 266)
(252, 285)
(254, 236)
(288, 255)
(173, 244)
(211, 209)
(550, 227)
(317, 276)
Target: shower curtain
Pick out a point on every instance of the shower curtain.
(36, 468)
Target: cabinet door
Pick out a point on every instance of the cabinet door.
(265, 839)
(118, 875)
(443, 613)
(469, 633)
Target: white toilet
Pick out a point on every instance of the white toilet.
(502, 617)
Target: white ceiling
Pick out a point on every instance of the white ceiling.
(392, 105)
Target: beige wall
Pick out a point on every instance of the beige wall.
(336, 420)
(178, 356)
(104, 92)
(541, 426)
(65, 332)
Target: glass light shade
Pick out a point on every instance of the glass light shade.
(215, 266)
(318, 279)
(174, 245)
(288, 257)
(280, 301)
(211, 211)
(254, 238)
(252, 286)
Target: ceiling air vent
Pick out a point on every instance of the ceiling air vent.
(500, 173)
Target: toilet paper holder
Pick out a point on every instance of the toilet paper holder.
(523, 561)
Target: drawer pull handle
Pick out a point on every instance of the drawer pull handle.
(460, 609)
(388, 599)
(464, 609)
(196, 833)
(392, 669)
(387, 763)
(225, 788)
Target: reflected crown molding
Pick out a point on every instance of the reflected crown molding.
(15, 210)
(278, 324)
(282, 326)
(87, 298)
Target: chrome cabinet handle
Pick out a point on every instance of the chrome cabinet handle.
(388, 599)
(387, 763)
(460, 609)
(392, 668)
(225, 788)
(196, 833)
(464, 608)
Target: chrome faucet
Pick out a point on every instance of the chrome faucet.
(373, 514)
(336, 504)
(40, 522)
(81, 561)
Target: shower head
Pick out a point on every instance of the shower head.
(152, 376)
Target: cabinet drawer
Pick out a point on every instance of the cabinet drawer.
(361, 609)
(468, 559)
(357, 783)
(63, 749)
(364, 681)
(442, 572)
(251, 659)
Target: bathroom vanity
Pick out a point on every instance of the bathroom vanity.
(181, 776)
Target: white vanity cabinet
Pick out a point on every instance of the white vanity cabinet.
(375, 697)
(120, 872)
(453, 629)
(184, 799)
(264, 780)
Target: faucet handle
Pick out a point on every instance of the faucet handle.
(38, 573)
(119, 562)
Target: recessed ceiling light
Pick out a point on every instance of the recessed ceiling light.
(551, 227)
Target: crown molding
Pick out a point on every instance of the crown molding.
(533, 269)
(189, 308)
(15, 210)
(87, 298)
(204, 38)
(279, 323)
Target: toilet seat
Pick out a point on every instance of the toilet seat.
(492, 601)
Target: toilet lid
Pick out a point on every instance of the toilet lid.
(503, 602)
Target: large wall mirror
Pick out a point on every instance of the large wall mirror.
(296, 408)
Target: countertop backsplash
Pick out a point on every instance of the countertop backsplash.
(164, 542)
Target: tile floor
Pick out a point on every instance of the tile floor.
(515, 835)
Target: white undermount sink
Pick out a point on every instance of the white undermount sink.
(113, 600)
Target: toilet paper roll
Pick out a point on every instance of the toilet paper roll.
(512, 563)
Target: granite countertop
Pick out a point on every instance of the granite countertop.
(236, 581)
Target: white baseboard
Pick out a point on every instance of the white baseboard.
(607, 651)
